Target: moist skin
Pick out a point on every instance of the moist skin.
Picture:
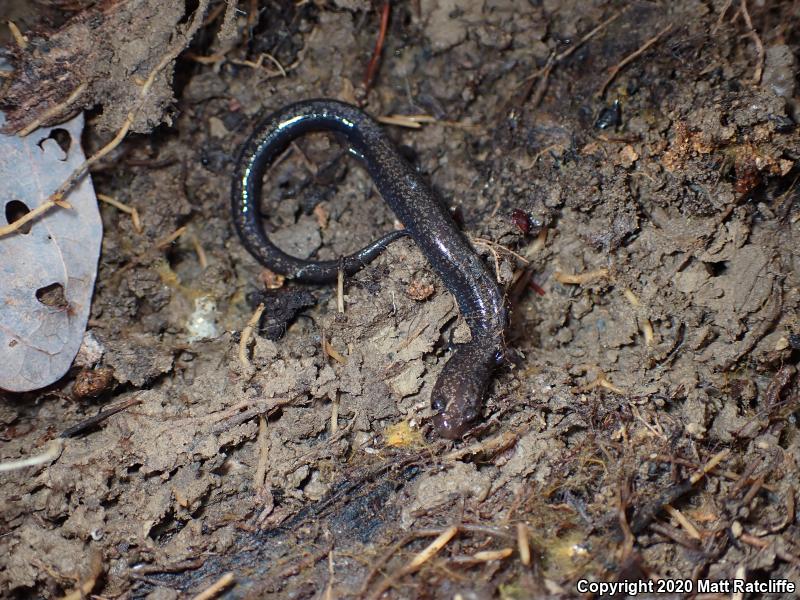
(458, 393)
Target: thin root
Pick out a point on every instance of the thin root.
(375, 61)
(501, 248)
(603, 382)
(684, 522)
(340, 292)
(19, 39)
(493, 247)
(99, 418)
(329, 350)
(490, 555)
(523, 545)
(582, 279)
(247, 333)
(263, 454)
(420, 559)
(646, 325)
(215, 588)
(408, 121)
(137, 224)
(49, 455)
(53, 111)
(202, 259)
(631, 57)
(30, 216)
(757, 41)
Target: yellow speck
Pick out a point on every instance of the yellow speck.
(401, 435)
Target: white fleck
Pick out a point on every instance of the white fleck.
(202, 323)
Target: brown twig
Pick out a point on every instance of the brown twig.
(683, 521)
(416, 563)
(631, 57)
(756, 487)
(722, 13)
(19, 39)
(568, 52)
(329, 350)
(165, 241)
(215, 588)
(99, 418)
(743, 479)
(263, 454)
(231, 417)
(523, 545)
(247, 333)
(602, 381)
(31, 215)
(53, 111)
(177, 567)
(374, 63)
(623, 492)
(646, 325)
(645, 515)
(214, 13)
(581, 279)
(673, 534)
(202, 259)
(553, 60)
(340, 291)
(433, 532)
(386, 556)
(492, 446)
(756, 40)
(137, 224)
(490, 555)
(407, 121)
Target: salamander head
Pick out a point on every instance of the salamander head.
(458, 393)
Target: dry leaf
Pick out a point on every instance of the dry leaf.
(48, 267)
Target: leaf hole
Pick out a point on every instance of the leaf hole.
(715, 269)
(61, 137)
(52, 295)
(15, 210)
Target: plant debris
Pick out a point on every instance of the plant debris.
(645, 427)
(49, 264)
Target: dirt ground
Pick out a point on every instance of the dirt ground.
(646, 221)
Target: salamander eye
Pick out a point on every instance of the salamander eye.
(470, 415)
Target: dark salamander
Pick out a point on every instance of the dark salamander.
(459, 391)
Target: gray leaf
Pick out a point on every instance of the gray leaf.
(47, 274)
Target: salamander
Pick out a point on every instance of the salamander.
(458, 393)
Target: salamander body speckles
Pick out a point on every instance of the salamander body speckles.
(458, 393)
